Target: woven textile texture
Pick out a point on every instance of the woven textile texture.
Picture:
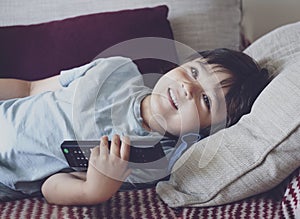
(281, 202)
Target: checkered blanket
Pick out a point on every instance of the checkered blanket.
(281, 202)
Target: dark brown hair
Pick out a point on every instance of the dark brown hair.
(248, 80)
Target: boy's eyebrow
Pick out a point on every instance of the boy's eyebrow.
(214, 95)
(224, 83)
(227, 82)
(202, 66)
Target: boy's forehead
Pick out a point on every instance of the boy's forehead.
(210, 69)
(216, 76)
(199, 60)
(200, 63)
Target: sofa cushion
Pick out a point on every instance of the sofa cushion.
(41, 50)
(257, 153)
(201, 24)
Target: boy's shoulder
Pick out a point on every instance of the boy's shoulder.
(115, 61)
(117, 67)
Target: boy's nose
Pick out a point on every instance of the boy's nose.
(191, 89)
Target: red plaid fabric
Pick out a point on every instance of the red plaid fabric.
(291, 199)
(145, 203)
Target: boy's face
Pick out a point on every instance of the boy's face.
(189, 98)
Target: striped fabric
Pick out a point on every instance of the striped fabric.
(278, 203)
(291, 199)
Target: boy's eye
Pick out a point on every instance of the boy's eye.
(206, 101)
(194, 72)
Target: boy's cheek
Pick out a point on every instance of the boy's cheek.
(190, 119)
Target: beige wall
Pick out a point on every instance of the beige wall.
(261, 16)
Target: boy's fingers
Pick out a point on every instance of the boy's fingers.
(115, 145)
(94, 153)
(125, 148)
(126, 139)
(104, 150)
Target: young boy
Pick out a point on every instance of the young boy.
(106, 99)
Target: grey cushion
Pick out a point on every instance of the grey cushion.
(257, 153)
(199, 24)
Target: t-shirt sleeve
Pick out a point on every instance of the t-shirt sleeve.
(105, 66)
(67, 76)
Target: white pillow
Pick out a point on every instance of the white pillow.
(200, 24)
(257, 153)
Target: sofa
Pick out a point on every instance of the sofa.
(250, 170)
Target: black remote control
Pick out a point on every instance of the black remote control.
(77, 154)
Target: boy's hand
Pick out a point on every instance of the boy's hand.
(108, 167)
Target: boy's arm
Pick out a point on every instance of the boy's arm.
(47, 84)
(106, 172)
(15, 88)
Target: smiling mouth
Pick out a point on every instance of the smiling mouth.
(173, 99)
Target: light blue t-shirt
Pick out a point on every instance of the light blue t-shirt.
(100, 98)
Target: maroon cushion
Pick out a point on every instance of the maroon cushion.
(38, 51)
